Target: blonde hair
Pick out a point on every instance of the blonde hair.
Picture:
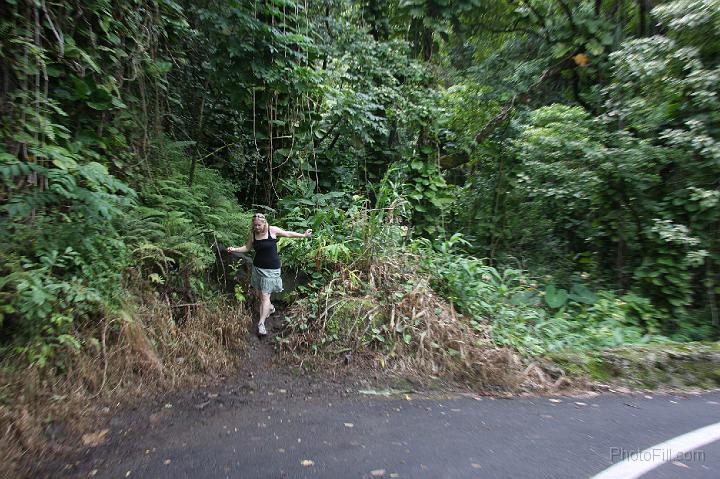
(257, 216)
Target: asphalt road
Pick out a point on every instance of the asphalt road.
(365, 437)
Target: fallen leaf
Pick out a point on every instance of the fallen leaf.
(92, 473)
(555, 400)
(167, 461)
(158, 417)
(307, 462)
(93, 439)
(476, 465)
(377, 472)
(579, 403)
(349, 424)
(127, 474)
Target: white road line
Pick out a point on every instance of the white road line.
(639, 462)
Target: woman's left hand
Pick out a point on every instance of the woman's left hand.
(308, 233)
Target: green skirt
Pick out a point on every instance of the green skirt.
(266, 280)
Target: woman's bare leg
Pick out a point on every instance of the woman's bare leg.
(257, 294)
(257, 299)
(264, 307)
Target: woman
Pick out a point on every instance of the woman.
(265, 276)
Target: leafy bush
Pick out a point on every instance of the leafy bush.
(62, 269)
(347, 233)
(531, 318)
(67, 273)
(62, 257)
(173, 230)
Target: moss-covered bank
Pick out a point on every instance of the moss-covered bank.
(695, 365)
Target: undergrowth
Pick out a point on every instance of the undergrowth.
(62, 271)
(388, 314)
(124, 357)
(426, 307)
(535, 318)
(368, 298)
(90, 316)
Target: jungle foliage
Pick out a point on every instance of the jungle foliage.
(552, 164)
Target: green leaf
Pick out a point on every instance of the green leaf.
(555, 297)
(59, 156)
(118, 103)
(98, 105)
(82, 89)
(581, 294)
(69, 340)
(594, 48)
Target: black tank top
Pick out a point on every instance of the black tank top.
(266, 253)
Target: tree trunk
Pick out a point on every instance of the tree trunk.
(193, 162)
(642, 17)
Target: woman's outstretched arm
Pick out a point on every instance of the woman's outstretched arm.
(279, 232)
